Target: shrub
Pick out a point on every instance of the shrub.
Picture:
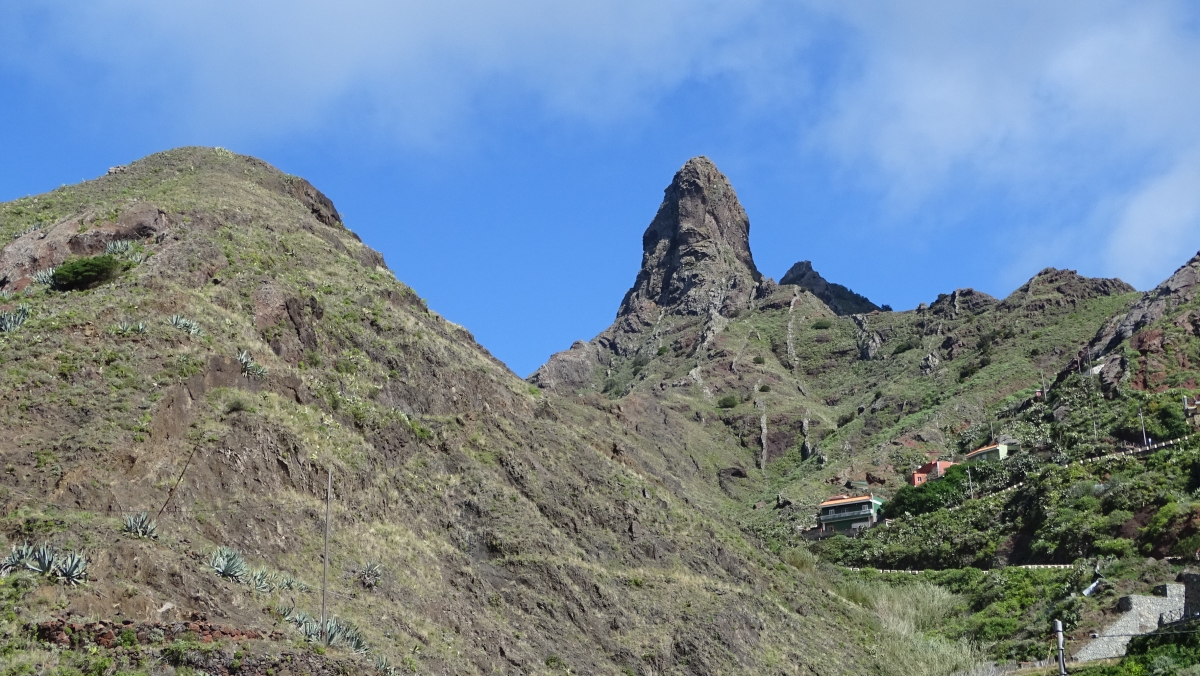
(967, 371)
(662, 350)
(760, 360)
(822, 324)
(84, 273)
(764, 388)
(846, 419)
(727, 401)
(904, 347)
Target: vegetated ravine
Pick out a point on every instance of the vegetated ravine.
(193, 345)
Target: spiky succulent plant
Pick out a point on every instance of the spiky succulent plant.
(251, 368)
(262, 581)
(186, 325)
(33, 228)
(16, 558)
(382, 666)
(42, 560)
(229, 564)
(118, 247)
(11, 321)
(44, 277)
(290, 583)
(6, 295)
(140, 525)
(71, 568)
(369, 575)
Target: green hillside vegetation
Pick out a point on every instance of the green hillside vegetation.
(221, 344)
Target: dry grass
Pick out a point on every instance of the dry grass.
(907, 615)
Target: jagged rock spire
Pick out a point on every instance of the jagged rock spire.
(696, 252)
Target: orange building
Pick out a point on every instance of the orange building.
(930, 470)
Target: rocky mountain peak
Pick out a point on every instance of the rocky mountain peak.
(840, 299)
(696, 252)
(1179, 289)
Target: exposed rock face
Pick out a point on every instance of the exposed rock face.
(1058, 288)
(696, 262)
(80, 235)
(696, 252)
(840, 299)
(960, 301)
(1179, 289)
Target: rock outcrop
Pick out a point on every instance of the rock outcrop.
(840, 299)
(696, 252)
(1059, 288)
(696, 265)
(1179, 289)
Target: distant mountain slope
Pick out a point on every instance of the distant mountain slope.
(841, 300)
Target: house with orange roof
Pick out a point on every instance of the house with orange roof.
(992, 452)
(848, 515)
(929, 471)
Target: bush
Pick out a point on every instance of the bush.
(760, 360)
(727, 401)
(764, 388)
(822, 324)
(84, 273)
(904, 347)
(846, 419)
(967, 371)
(662, 350)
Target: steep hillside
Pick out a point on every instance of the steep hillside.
(200, 331)
(784, 400)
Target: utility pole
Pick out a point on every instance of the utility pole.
(1062, 658)
(1145, 441)
(325, 559)
(970, 483)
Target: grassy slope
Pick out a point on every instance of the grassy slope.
(518, 532)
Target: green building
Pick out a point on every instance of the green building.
(848, 515)
(993, 452)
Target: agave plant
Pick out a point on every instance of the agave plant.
(186, 325)
(6, 295)
(140, 525)
(251, 368)
(118, 247)
(344, 634)
(44, 277)
(16, 558)
(136, 257)
(369, 575)
(229, 564)
(382, 666)
(33, 228)
(11, 321)
(71, 569)
(43, 560)
(261, 581)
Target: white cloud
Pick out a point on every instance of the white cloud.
(1040, 101)
(413, 64)
(931, 101)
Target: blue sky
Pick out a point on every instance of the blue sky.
(506, 157)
